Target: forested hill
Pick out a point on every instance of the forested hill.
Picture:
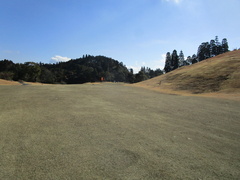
(81, 70)
(89, 69)
(76, 71)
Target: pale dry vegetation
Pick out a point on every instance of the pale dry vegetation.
(6, 82)
(218, 76)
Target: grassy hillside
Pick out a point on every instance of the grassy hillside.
(217, 74)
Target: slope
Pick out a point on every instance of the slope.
(6, 82)
(220, 74)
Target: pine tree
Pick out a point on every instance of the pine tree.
(218, 46)
(200, 53)
(216, 40)
(168, 63)
(181, 59)
(213, 48)
(207, 52)
(175, 60)
(194, 59)
(189, 60)
(224, 45)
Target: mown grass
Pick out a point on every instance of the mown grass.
(112, 131)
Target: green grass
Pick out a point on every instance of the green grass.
(112, 131)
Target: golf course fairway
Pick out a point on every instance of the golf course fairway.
(114, 131)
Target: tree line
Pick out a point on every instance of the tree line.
(76, 71)
(205, 50)
(100, 68)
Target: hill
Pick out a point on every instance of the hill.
(76, 71)
(220, 74)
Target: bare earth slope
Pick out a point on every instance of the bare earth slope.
(112, 131)
(218, 75)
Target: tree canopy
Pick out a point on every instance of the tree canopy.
(76, 71)
(205, 51)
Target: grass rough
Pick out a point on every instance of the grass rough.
(217, 76)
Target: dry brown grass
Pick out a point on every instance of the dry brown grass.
(5, 82)
(218, 77)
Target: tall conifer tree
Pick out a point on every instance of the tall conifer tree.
(181, 59)
(168, 63)
(175, 60)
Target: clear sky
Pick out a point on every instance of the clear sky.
(135, 32)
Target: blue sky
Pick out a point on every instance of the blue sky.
(135, 32)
